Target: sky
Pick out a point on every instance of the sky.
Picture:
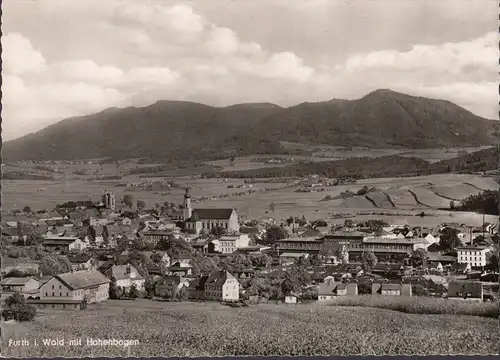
(65, 58)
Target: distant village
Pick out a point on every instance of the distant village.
(85, 252)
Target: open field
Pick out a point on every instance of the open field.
(332, 153)
(421, 305)
(396, 197)
(210, 329)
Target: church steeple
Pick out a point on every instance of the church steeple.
(187, 211)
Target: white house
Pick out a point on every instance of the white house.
(221, 286)
(473, 255)
(67, 243)
(126, 276)
(27, 286)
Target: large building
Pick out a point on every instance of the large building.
(73, 290)
(474, 256)
(207, 219)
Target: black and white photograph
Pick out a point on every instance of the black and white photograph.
(205, 178)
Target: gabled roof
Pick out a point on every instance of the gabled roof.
(219, 278)
(213, 214)
(16, 281)
(82, 279)
(465, 289)
(119, 272)
(79, 258)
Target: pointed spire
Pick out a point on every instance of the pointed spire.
(186, 195)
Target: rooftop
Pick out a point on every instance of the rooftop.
(82, 279)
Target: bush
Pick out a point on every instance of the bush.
(17, 309)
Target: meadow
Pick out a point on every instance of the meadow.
(420, 305)
(210, 329)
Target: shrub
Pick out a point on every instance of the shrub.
(17, 309)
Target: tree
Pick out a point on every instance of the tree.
(17, 309)
(369, 261)
(128, 200)
(218, 231)
(452, 205)
(272, 207)
(133, 293)
(27, 210)
(115, 292)
(348, 223)
(342, 254)
(418, 258)
(105, 234)
(287, 286)
(149, 287)
(274, 234)
(140, 204)
(448, 240)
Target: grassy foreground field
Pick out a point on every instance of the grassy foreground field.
(210, 329)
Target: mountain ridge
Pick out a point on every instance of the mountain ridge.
(184, 130)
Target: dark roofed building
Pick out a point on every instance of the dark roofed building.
(465, 290)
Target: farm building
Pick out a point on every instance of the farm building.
(26, 286)
(73, 290)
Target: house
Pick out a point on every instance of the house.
(290, 258)
(8, 265)
(460, 268)
(73, 290)
(475, 256)
(327, 291)
(221, 286)
(231, 242)
(292, 298)
(126, 276)
(155, 236)
(13, 234)
(63, 243)
(466, 290)
(168, 284)
(60, 223)
(180, 269)
(391, 289)
(27, 286)
(438, 257)
(82, 262)
(199, 219)
(160, 257)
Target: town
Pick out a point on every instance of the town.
(86, 252)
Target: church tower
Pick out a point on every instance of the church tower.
(187, 211)
(109, 200)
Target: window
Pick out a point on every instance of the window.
(52, 294)
(60, 287)
(53, 306)
(60, 294)
(52, 287)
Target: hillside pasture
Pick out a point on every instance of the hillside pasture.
(403, 199)
(427, 197)
(457, 192)
(210, 329)
(380, 199)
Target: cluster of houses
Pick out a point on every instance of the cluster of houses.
(340, 248)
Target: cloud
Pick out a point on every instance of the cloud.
(19, 56)
(87, 70)
(287, 65)
(478, 55)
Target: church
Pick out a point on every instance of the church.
(207, 219)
